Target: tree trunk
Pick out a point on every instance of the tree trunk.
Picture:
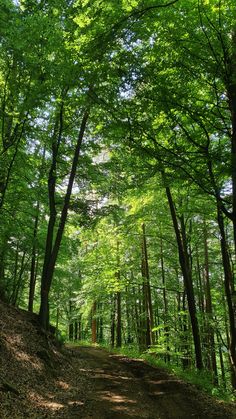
(128, 318)
(228, 281)
(147, 298)
(100, 333)
(76, 331)
(113, 311)
(51, 252)
(230, 82)
(118, 302)
(222, 366)
(71, 323)
(166, 330)
(185, 267)
(210, 329)
(33, 270)
(118, 320)
(94, 322)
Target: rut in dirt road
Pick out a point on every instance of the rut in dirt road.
(122, 388)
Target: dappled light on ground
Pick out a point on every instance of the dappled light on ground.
(45, 403)
(116, 398)
(40, 381)
(63, 385)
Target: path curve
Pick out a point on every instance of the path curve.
(122, 388)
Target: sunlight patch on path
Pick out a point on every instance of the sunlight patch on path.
(117, 398)
(42, 402)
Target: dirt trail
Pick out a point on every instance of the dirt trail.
(38, 380)
(118, 387)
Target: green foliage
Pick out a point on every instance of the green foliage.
(158, 82)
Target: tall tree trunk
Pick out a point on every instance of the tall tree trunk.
(222, 367)
(142, 315)
(137, 318)
(165, 302)
(71, 323)
(210, 329)
(33, 262)
(228, 274)
(199, 284)
(185, 331)
(94, 322)
(230, 82)
(100, 332)
(147, 290)
(118, 320)
(113, 314)
(118, 302)
(52, 249)
(185, 267)
(80, 328)
(228, 281)
(128, 317)
(76, 331)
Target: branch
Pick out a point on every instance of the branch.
(140, 13)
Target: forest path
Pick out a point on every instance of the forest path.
(118, 387)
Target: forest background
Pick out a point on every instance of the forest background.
(118, 174)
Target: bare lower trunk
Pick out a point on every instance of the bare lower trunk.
(147, 298)
(94, 322)
(209, 319)
(52, 250)
(186, 272)
(228, 280)
(33, 270)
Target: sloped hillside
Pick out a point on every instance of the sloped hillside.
(34, 373)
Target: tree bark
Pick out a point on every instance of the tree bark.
(118, 302)
(210, 329)
(228, 281)
(118, 320)
(165, 302)
(53, 249)
(185, 267)
(113, 313)
(147, 298)
(94, 322)
(33, 271)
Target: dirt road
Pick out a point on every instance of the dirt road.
(38, 380)
(122, 388)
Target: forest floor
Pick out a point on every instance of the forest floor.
(39, 380)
